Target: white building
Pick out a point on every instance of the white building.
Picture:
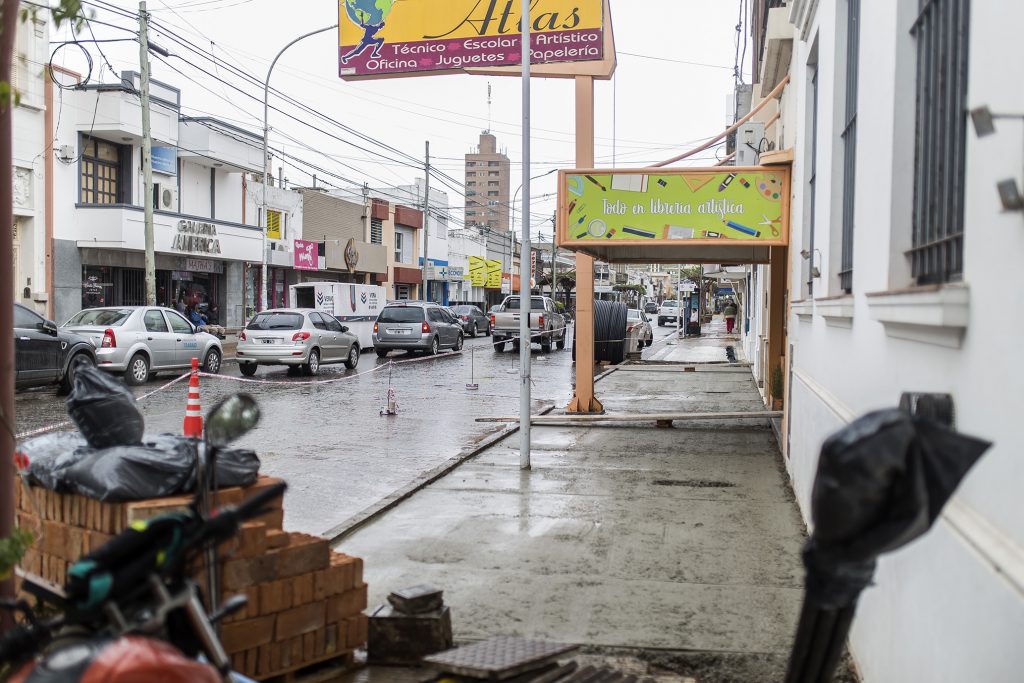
(33, 219)
(463, 243)
(904, 285)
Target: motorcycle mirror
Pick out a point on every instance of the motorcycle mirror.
(230, 419)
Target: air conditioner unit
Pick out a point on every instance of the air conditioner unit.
(165, 197)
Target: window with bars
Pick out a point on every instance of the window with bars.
(103, 180)
(941, 34)
(850, 142)
(376, 231)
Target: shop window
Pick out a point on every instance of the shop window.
(104, 177)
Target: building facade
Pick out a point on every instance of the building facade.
(901, 246)
(488, 180)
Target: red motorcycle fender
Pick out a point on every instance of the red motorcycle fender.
(144, 660)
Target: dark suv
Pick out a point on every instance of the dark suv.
(44, 354)
(416, 326)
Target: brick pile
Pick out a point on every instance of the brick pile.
(305, 602)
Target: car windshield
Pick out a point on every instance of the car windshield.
(401, 314)
(276, 321)
(101, 317)
(535, 303)
(669, 304)
(632, 314)
(463, 310)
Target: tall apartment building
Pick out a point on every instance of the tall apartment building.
(487, 185)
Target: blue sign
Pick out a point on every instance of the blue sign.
(165, 160)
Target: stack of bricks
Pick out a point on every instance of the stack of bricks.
(305, 602)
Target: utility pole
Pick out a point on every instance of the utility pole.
(426, 226)
(147, 156)
(524, 252)
(554, 290)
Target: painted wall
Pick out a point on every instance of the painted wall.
(951, 605)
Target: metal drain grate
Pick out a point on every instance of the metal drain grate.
(498, 658)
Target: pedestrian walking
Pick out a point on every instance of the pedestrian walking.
(730, 316)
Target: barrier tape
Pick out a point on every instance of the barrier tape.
(67, 423)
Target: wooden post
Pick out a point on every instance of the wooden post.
(584, 401)
(777, 315)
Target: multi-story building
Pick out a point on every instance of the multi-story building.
(906, 228)
(488, 175)
(464, 243)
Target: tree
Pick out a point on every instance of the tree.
(567, 281)
(12, 544)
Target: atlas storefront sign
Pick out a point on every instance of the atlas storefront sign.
(196, 237)
(306, 255)
(386, 37)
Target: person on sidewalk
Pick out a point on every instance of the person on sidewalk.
(730, 316)
(202, 324)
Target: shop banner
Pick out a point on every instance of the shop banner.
(477, 271)
(306, 257)
(493, 274)
(455, 273)
(699, 205)
(379, 37)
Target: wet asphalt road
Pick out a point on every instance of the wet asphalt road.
(328, 440)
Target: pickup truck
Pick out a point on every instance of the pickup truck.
(547, 326)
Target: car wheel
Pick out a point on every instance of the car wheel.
(68, 383)
(353, 357)
(248, 369)
(458, 343)
(499, 347)
(381, 352)
(433, 347)
(212, 363)
(472, 331)
(561, 342)
(487, 332)
(545, 345)
(661, 322)
(650, 341)
(138, 370)
(312, 366)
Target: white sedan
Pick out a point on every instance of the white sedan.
(638, 331)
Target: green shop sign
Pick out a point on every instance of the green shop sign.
(673, 205)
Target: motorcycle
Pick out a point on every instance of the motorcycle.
(130, 610)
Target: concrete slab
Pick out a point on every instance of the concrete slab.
(633, 536)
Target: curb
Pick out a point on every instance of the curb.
(360, 519)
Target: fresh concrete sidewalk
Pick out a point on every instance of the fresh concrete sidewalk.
(683, 539)
(709, 347)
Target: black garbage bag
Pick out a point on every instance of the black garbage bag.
(104, 410)
(882, 481)
(163, 465)
(49, 455)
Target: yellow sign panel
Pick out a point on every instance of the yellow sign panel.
(493, 274)
(719, 206)
(477, 271)
(273, 224)
(380, 37)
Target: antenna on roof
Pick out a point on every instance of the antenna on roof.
(488, 106)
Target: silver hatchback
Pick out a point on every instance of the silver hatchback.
(141, 340)
(299, 338)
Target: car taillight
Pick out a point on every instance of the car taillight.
(541, 320)
(376, 327)
(464, 317)
(241, 336)
(492, 320)
(300, 336)
(426, 328)
(109, 340)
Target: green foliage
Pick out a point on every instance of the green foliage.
(777, 385)
(12, 550)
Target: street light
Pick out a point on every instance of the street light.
(266, 156)
(514, 196)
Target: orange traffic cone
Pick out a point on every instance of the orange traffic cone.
(193, 426)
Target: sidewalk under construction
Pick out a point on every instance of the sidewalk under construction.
(681, 545)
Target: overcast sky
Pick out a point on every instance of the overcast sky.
(655, 108)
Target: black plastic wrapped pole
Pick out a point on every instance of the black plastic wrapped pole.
(882, 481)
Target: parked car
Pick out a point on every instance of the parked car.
(651, 308)
(473, 320)
(638, 331)
(139, 341)
(303, 339)
(416, 326)
(45, 354)
(547, 326)
(668, 312)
